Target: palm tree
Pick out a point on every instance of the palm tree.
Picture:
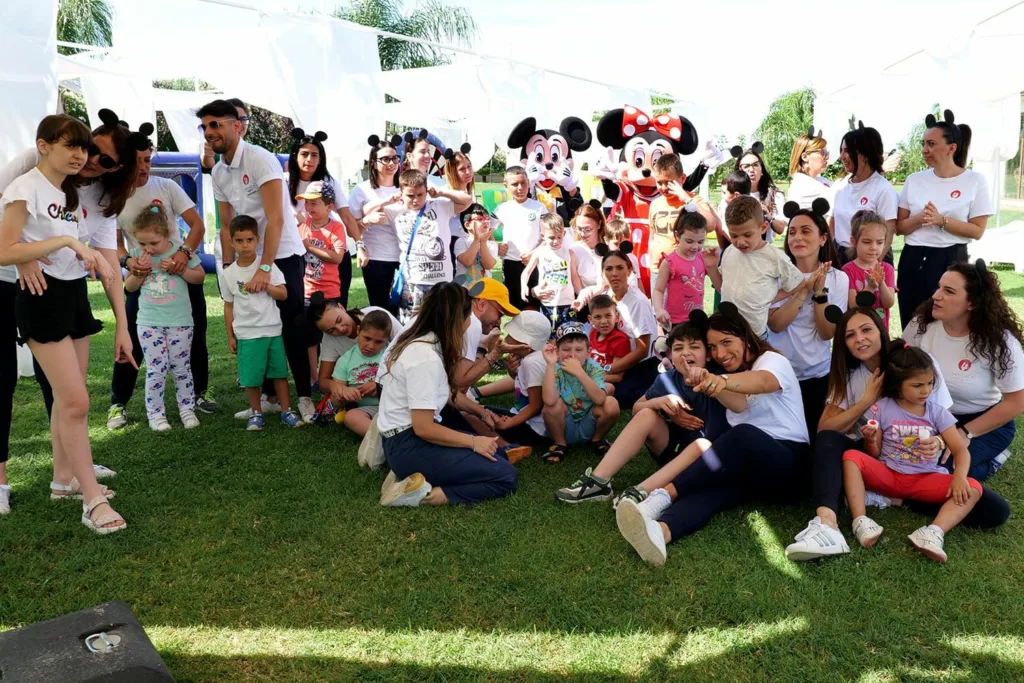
(788, 117)
(432, 20)
(89, 22)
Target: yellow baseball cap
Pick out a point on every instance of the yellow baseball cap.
(492, 290)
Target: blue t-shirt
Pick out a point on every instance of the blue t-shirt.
(571, 389)
(163, 298)
(355, 369)
(703, 406)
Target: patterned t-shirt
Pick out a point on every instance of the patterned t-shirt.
(901, 433)
(571, 389)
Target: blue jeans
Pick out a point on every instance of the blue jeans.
(465, 476)
(985, 448)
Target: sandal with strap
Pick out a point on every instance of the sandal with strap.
(73, 490)
(600, 447)
(555, 454)
(99, 525)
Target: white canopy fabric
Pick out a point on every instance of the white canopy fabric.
(28, 71)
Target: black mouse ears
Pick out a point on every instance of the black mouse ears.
(602, 249)
(698, 317)
(947, 118)
(790, 208)
(626, 247)
(728, 308)
(595, 204)
(298, 134)
(856, 124)
(737, 151)
(449, 153)
(810, 132)
(109, 118)
(864, 300)
(373, 141)
(410, 138)
(833, 313)
(819, 206)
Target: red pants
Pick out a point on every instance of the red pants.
(927, 488)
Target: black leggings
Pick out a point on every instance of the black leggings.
(8, 364)
(377, 278)
(813, 391)
(743, 464)
(636, 381)
(512, 274)
(293, 326)
(917, 278)
(345, 276)
(122, 383)
(991, 510)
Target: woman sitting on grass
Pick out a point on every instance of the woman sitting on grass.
(855, 384)
(430, 463)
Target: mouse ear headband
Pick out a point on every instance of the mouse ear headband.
(736, 151)
(449, 153)
(810, 132)
(948, 122)
(856, 124)
(299, 134)
(833, 313)
(819, 206)
(395, 141)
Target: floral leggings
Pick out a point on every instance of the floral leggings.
(167, 348)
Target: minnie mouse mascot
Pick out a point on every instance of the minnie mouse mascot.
(628, 180)
(547, 157)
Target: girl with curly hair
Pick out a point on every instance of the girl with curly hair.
(976, 339)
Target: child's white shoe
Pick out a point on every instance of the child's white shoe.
(189, 419)
(5, 499)
(160, 424)
(929, 540)
(867, 531)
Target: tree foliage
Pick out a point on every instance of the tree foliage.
(789, 116)
(89, 22)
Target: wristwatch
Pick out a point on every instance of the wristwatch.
(124, 260)
(186, 251)
(820, 298)
(265, 267)
(360, 245)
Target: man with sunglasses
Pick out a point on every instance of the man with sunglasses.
(248, 180)
(209, 159)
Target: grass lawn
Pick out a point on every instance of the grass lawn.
(259, 557)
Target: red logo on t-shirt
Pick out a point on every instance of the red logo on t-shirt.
(955, 194)
(157, 202)
(964, 365)
(863, 201)
(85, 212)
(245, 179)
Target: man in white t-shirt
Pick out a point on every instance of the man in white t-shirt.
(248, 180)
(520, 221)
(151, 189)
(490, 303)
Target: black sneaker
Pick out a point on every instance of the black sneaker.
(584, 489)
(205, 403)
(634, 493)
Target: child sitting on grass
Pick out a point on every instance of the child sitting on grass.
(894, 466)
(253, 322)
(576, 407)
(607, 342)
(355, 374)
(525, 337)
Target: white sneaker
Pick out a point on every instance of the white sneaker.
(102, 472)
(189, 419)
(643, 533)
(656, 502)
(929, 540)
(817, 540)
(265, 407)
(867, 531)
(306, 409)
(160, 424)
(5, 499)
(408, 492)
(872, 499)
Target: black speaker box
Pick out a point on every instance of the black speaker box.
(103, 644)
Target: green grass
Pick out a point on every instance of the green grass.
(259, 557)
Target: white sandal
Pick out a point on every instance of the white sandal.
(99, 525)
(73, 490)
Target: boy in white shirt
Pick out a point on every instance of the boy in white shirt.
(520, 220)
(254, 324)
(476, 252)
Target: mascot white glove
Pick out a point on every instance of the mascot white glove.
(568, 180)
(534, 172)
(607, 167)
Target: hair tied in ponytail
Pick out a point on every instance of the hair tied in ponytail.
(154, 208)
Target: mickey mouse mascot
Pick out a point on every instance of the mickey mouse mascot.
(547, 157)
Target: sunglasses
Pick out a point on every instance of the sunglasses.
(387, 160)
(750, 167)
(243, 119)
(106, 162)
(217, 124)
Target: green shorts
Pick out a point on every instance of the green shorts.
(260, 359)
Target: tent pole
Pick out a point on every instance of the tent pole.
(1020, 161)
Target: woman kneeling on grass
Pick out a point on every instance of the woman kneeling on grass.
(766, 453)
(430, 463)
(855, 384)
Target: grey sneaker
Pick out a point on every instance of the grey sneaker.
(634, 493)
(205, 403)
(117, 416)
(584, 489)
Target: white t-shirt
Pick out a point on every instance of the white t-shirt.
(520, 226)
(961, 197)
(779, 414)
(462, 245)
(174, 199)
(588, 265)
(554, 270)
(416, 381)
(531, 374)
(809, 354)
(636, 318)
(874, 194)
(255, 315)
(471, 340)
(752, 280)
(239, 185)
(380, 240)
(429, 260)
(856, 385)
(47, 218)
(972, 383)
(804, 189)
(334, 347)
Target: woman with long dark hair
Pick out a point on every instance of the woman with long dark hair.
(862, 154)
(749, 161)
(430, 463)
(940, 211)
(377, 250)
(975, 338)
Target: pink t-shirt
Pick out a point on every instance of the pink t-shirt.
(320, 275)
(685, 290)
(858, 279)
